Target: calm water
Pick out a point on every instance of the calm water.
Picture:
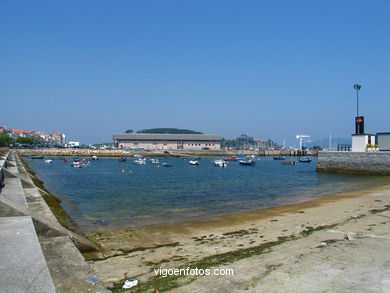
(102, 196)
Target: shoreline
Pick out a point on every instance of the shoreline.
(135, 252)
(242, 217)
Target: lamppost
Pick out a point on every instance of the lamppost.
(357, 88)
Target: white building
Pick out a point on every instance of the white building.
(360, 142)
(73, 144)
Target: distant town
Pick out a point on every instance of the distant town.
(156, 138)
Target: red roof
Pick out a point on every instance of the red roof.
(22, 131)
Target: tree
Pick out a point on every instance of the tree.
(5, 140)
(28, 140)
(169, 131)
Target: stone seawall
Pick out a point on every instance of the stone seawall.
(62, 152)
(354, 163)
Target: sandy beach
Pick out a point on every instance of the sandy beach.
(337, 243)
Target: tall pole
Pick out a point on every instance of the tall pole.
(357, 102)
(357, 88)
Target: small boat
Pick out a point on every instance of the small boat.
(64, 160)
(95, 158)
(37, 157)
(304, 160)
(122, 159)
(247, 162)
(279, 158)
(76, 164)
(195, 163)
(220, 163)
(140, 161)
(289, 162)
(76, 159)
(48, 161)
(166, 165)
(231, 159)
(154, 161)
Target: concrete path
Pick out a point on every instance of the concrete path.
(23, 267)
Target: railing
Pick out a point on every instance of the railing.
(344, 147)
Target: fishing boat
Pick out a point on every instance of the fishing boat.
(231, 159)
(194, 163)
(37, 157)
(220, 163)
(122, 159)
(289, 162)
(247, 162)
(279, 158)
(305, 160)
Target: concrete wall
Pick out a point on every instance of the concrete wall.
(354, 163)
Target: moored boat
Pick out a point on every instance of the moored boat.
(95, 158)
(122, 159)
(279, 158)
(166, 165)
(140, 161)
(220, 163)
(231, 159)
(76, 164)
(48, 161)
(154, 161)
(247, 162)
(289, 162)
(194, 163)
(37, 157)
(305, 160)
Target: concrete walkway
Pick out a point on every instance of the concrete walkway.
(23, 267)
(37, 254)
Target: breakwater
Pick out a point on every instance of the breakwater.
(63, 152)
(354, 163)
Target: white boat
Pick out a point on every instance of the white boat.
(247, 162)
(95, 158)
(193, 163)
(140, 161)
(76, 164)
(220, 163)
(48, 161)
(154, 161)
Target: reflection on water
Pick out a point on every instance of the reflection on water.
(120, 194)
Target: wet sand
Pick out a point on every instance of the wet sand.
(241, 241)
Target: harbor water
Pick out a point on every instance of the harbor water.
(110, 194)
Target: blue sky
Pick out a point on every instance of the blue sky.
(270, 69)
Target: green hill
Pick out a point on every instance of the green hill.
(169, 131)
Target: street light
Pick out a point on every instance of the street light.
(357, 88)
